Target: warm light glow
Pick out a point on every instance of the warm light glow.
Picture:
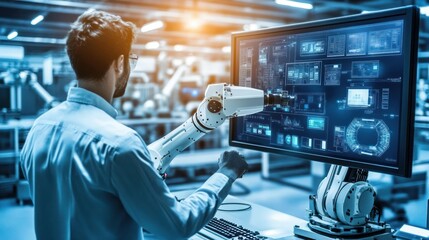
(295, 4)
(152, 26)
(179, 48)
(12, 35)
(250, 27)
(226, 49)
(193, 23)
(37, 19)
(152, 45)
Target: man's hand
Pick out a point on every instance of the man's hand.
(232, 164)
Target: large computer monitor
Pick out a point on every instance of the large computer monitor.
(353, 83)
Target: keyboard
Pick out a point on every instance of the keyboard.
(230, 230)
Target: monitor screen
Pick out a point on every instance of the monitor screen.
(353, 83)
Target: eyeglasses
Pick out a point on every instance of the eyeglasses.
(133, 61)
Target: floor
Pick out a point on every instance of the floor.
(16, 222)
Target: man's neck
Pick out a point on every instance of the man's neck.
(96, 87)
(103, 87)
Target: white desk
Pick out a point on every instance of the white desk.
(268, 222)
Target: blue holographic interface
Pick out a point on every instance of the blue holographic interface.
(347, 84)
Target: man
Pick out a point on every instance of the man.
(90, 176)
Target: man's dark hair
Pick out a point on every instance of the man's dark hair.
(95, 40)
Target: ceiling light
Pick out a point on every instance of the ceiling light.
(152, 45)
(193, 23)
(37, 19)
(295, 4)
(12, 35)
(179, 48)
(250, 27)
(226, 49)
(152, 26)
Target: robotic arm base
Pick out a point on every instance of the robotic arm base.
(342, 207)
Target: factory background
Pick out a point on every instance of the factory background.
(183, 46)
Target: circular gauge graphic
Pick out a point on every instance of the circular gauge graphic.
(368, 136)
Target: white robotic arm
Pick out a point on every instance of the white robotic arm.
(221, 102)
(31, 79)
(345, 195)
(16, 79)
(344, 208)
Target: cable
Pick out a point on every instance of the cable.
(245, 207)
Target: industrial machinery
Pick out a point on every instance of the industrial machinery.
(161, 101)
(144, 98)
(221, 102)
(139, 91)
(344, 207)
(15, 79)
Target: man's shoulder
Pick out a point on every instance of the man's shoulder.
(90, 122)
(51, 116)
(115, 132)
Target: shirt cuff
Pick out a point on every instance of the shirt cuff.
(219, 184)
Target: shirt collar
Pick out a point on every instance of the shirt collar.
(80, 95)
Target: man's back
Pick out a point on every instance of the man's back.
(68, 158)
(91, 177)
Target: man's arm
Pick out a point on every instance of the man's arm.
(149, 202)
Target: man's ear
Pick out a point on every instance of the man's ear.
(119, 64)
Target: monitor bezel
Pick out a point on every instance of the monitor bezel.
(410, 45)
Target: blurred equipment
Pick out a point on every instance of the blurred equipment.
(190, 93)
(160, 104)
(30, 78)
(221, 102)
(139, 90)
(11, 83)
(357, 113)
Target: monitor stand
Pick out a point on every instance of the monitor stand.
(344, 208)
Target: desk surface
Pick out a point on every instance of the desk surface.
(268, 222)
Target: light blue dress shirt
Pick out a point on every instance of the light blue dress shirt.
(92, 178)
